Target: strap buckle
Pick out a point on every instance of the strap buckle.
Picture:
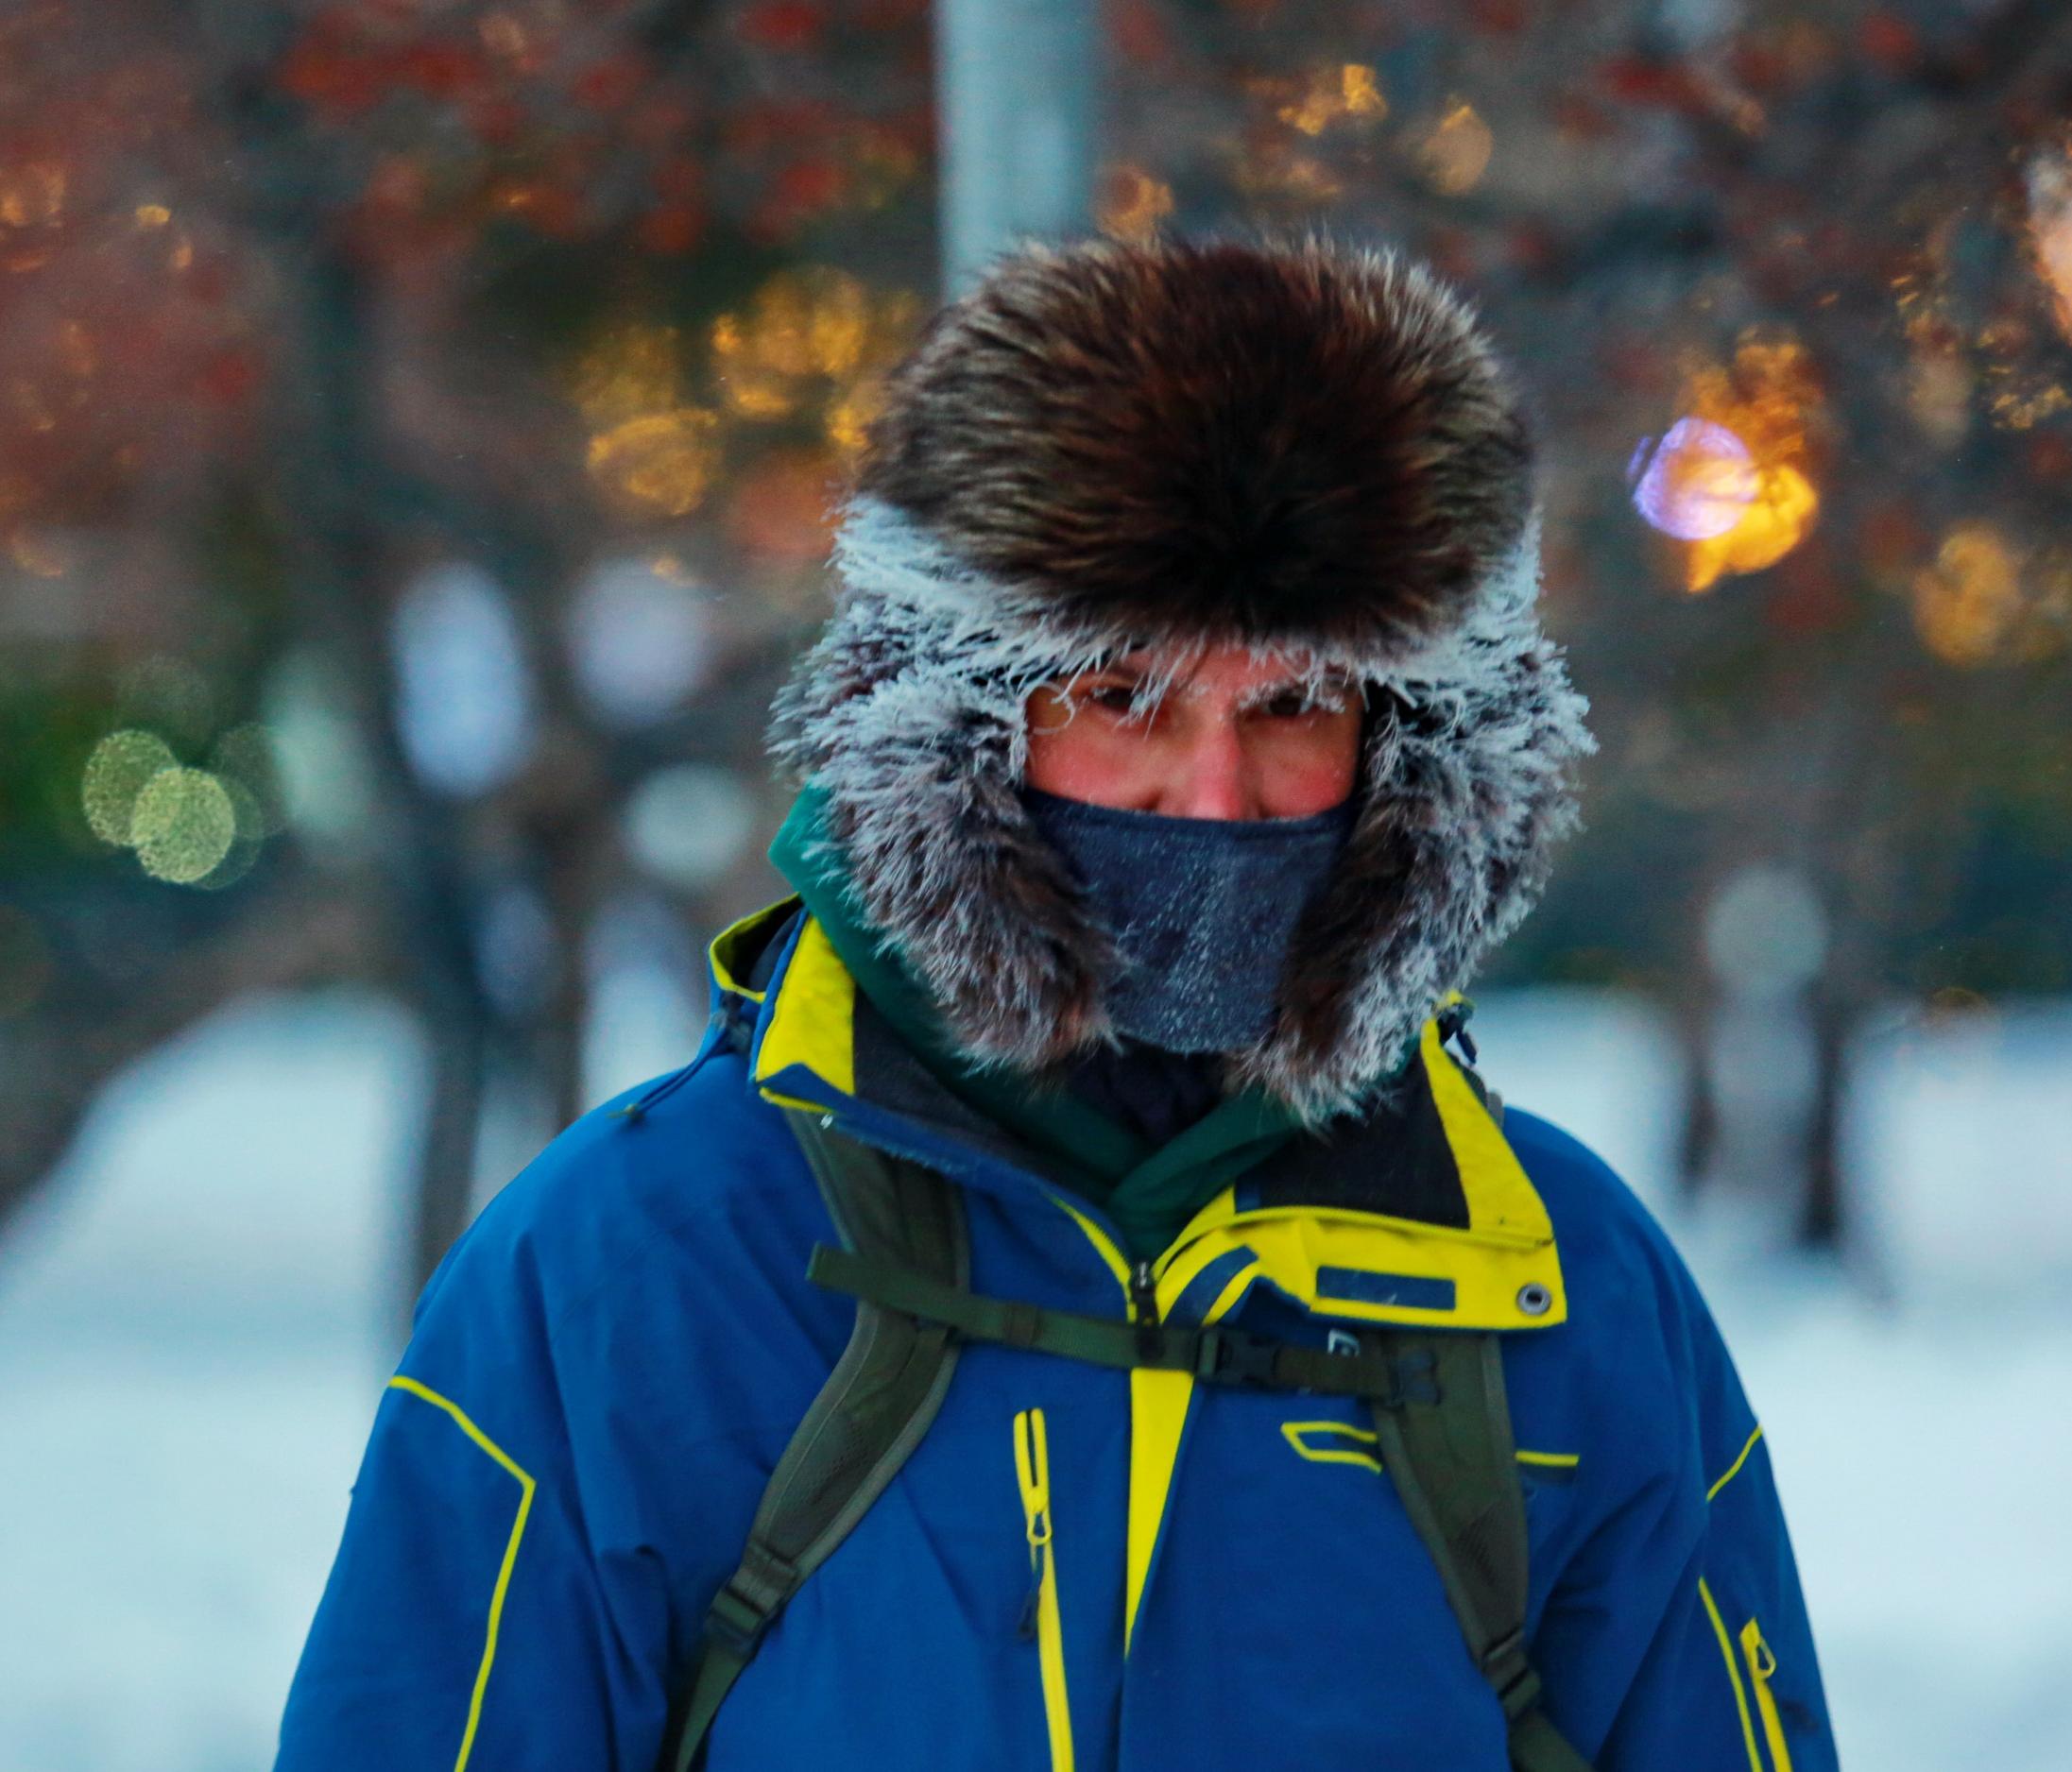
(1230, 1356)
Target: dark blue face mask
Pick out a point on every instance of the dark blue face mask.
(1202, 911)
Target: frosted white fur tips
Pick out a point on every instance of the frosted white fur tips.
(909, 713)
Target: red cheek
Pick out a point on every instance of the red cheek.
(1080, 761)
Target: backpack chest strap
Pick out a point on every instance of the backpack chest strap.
(1385, 1375)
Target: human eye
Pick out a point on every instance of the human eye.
(1288, 704)
(1304, 701)
(1112, 695)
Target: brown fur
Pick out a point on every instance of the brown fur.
(1305, 442)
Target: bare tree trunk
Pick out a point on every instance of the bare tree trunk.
(335, 491)
(444, 1183)
(1698, 1135)
(1694, 1006)
(1823, 1220)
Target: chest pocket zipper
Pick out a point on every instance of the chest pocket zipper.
(1762, 1664)
(1040, 1617)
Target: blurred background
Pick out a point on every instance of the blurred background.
(418, 423)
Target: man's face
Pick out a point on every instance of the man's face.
(1233, 738)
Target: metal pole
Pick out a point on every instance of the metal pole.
(1018, 95)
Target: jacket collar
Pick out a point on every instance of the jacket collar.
(1420, 1213)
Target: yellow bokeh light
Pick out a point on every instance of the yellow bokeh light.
(1968, 606)
(813, 321)
(814, 337)
(2024, 408)
(116, 771)
(627, 371)
(1764, 397)
(750, 383)
(810, 344)
(1132, 203)
(32, 195)
(153, 215)
(1359, 93)
(183, 825)
(849, 417)
(1331, 94)
(1457, 151)
(658, 462)
(1774, 522)
(758, 394)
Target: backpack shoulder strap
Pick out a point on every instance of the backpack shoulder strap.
(1448, 1450)
(879, 1400)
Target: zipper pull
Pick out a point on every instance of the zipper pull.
(1032, 1474)
(1143, 1310)
(1143, 1294)
(1453, 1026)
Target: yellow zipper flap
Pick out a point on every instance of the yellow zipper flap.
(1032, 1477)
(1221, 1213)
(1377, 1268)
(1762, 1664)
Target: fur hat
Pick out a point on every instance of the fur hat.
(1302, 447)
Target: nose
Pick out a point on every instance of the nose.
(1211, 778)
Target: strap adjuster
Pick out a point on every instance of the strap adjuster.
(1505, 1666)
(749, 1602)
(736, 1622)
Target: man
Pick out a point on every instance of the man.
(1234, 1383)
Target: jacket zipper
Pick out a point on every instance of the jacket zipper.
(1762, 1664)
(1039, 1615)
(1143, 1295)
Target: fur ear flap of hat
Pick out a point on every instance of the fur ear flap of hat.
(1308, 448)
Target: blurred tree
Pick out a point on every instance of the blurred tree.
(460, 388)
(1793, 288)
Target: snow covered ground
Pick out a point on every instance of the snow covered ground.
(195, 1324)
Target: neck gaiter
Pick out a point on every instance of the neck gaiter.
(1202, 911)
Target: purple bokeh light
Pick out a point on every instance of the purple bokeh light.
(1695, 484)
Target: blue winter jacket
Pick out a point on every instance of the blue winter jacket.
(1078, 1567)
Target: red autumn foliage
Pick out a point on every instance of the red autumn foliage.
(783, 25)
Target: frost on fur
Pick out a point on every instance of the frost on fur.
(909, 714)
